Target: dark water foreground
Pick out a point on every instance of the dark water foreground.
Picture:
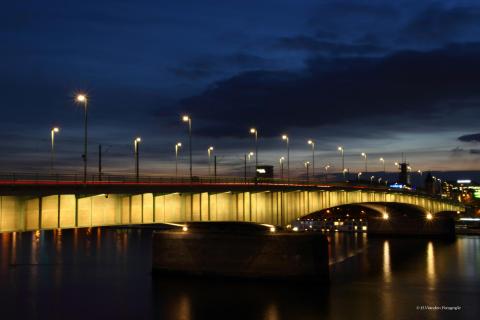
(105, 274)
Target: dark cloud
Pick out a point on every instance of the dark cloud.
(209, 66)
(440, 23)
(409, 86)
(351, 13)
(326, 34)
(470, 137)
(306, 43)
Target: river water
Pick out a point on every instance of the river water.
(106, 273)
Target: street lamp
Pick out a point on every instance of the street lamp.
(307, 165)
(285, 137)
(343, 160)
(254, 132)
(312, 143)
(82, 98)
(210, 151)
(52, 151)
(188, 120)
(383, 162)
(250, 155)
(371, 179)
(420, 172)
(136, 144)
(365, 156)
(178, 145)
(282, 160)
(358, 176)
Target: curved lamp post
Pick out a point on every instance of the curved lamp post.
(188, 120)
(82, 98)
(287, 140)
(52, 151)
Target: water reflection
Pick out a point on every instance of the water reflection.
(50, 273)
(431, 277)
(184, 311)
(187, 298)
(271, 312)
(387, 269)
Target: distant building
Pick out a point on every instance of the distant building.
(404, 176)
(430, 185)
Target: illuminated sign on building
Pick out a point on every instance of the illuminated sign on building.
(476, 192)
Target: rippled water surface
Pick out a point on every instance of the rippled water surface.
(105, 273)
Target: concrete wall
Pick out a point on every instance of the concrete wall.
(279, 208)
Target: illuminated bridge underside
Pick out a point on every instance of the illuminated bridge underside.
(20, 213)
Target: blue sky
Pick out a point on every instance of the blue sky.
(378, 77)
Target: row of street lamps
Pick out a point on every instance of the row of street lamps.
(83, 99)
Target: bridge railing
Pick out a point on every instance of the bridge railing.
(36, 177)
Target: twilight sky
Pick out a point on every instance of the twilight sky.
(381, 77)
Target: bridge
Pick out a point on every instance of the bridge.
(34, 204)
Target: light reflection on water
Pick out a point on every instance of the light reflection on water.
(66, 273)
(431, 265)
(387, 271)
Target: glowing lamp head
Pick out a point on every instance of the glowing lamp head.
(307, 163)
(253, 130)
(272, 229)
(56, 129)
(250, 154)
(138, 139)
(210, 148)
(364, 154)
(359, 174)
(429, 216)
(284, 137)
(310, 142)
(81, 98)
(381, 159)
(345, 170)
(185, 228)
(385, 216)
(185, 118)
(340, 148)
(295, 229)
(179, 144)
